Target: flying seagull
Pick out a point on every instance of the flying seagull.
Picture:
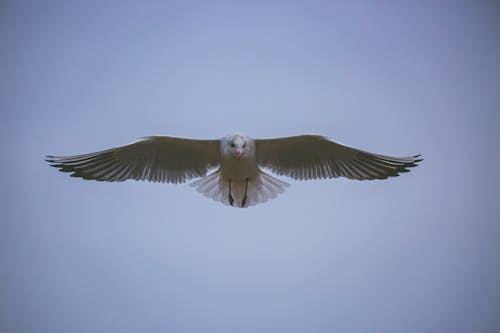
(238, 179)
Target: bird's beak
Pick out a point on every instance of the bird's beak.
(238, 153)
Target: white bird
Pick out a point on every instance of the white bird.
(237, 159)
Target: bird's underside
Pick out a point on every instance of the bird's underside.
(238, 179)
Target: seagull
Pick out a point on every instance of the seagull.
(235, 162)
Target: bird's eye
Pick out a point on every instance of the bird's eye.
(232, 145)
(244, 145)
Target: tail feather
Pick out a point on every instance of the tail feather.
(260, 188)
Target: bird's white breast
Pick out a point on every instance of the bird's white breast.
(238, 169)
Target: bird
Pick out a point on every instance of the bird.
(231, 168)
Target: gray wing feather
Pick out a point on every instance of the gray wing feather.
(315, 157)
(155, 158)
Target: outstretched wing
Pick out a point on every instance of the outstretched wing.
(156, 158)
(314, 157)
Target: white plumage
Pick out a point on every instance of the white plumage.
(237, 159)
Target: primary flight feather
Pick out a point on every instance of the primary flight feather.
(238, 179)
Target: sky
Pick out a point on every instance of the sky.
(416, 253)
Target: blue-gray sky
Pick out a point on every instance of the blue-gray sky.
(417, 253)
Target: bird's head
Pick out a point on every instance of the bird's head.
(238, 146)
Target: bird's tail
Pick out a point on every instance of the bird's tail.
(240, 193)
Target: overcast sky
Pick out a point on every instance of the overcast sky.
(416, 253)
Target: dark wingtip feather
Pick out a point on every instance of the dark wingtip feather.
(55, 164)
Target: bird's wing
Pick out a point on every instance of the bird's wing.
(314, 157)
(155, 158)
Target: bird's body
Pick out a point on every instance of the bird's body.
(237, 159)
(243, 166)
